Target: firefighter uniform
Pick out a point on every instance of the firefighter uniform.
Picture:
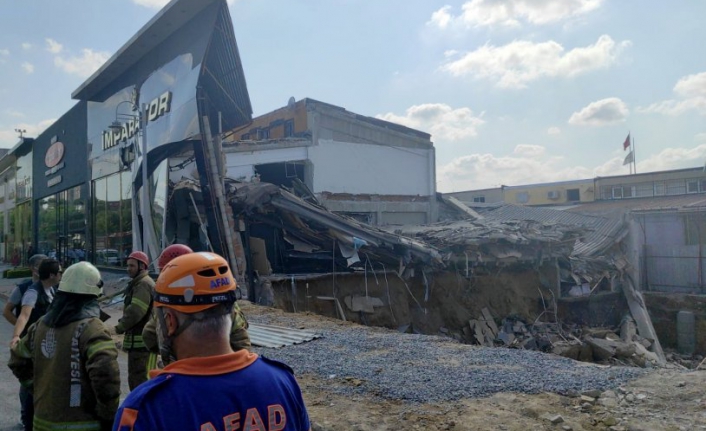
(136, 313)
(69, 360)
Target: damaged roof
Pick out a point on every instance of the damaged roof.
(499, 241)
(305, 223)
(599, 232)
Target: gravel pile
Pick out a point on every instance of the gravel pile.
(422, 368)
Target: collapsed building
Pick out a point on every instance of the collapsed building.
(492, 276)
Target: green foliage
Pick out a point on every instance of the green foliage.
(17, 273)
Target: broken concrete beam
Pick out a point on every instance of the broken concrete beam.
(477, 331)
(488, 333)
(642, 351)
(586, 353)
(606, 349)
(628, 330)
(490, 321)
(566, 349)
(506, 338)
(602, 349)
(365, 304)
(638, 309)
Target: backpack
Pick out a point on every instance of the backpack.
(23, 288)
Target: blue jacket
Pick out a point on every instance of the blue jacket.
(236, 391)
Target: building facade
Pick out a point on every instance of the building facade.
(165, 108)
(376, 171)
(646, 185)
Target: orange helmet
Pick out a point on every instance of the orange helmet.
(195, 282)
(169, 253)
(140, 257)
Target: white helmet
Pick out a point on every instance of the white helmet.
(82, 278)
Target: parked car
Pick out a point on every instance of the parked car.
(108, 256)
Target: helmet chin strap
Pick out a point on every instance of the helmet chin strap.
(165, 341)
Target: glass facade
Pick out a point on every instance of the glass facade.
(61, 226)
(159, 186)
(112, 219)
(18, 243)
(19, 238)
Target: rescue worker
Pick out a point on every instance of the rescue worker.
(34, 303)
(13, 306)
(11, 311)
(136, 312)
(69, 359)
(37, 298)
(239, 338)
(194, 296)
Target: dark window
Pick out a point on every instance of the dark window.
(573, 195)
(288, 128)
(479, 199)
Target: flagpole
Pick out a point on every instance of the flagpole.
(634, 158)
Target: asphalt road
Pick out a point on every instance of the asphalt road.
(10, 387)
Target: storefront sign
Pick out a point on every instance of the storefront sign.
(156, 108)
(54, 154)
(55, 169)
(54, 181)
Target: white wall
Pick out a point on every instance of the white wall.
(239, 164)
(342, 167)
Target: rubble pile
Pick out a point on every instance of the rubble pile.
(602, 345)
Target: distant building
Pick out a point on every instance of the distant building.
(376, 171)
(562, 193)
(651, 184)
(481, 196)
(558, 193)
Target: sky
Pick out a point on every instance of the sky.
(512, 91)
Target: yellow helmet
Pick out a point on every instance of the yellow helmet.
(82, 278)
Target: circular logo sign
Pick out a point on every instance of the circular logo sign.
(54, 155)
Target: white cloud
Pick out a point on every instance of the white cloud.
(438, 119)
(441, 18)
(478, 13)
(519, 62)
(28, 67)
(8, 136)
(691, 86)
(478, 171)
(601, 113)
(553, 131)
(53, 46)
(700, 137)
(529, 150)
(674, 158)
(13, 113)
(691, 91)
(4, 52)
(26, 45)
(84, 65)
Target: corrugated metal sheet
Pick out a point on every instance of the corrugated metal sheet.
(510, 212)
(278, 336)
(602, 233)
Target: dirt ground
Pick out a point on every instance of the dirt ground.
(672, 401)
(663, 399)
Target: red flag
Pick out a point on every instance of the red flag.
(626, 144)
